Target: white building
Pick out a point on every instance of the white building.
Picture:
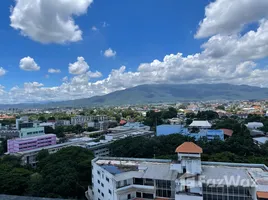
(200, 124)
(50, 124)
(187, 178)
(254, 125)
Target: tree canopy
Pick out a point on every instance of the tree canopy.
(64, 174)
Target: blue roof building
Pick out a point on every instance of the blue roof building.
(167, 129)
(210, 134)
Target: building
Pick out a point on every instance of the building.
(186, 178)
(174, 121)
(260, 140)
(63, 123)
(82, 120)
(31, 132)
(209, 134)
(99, 125)
(23, 122)
(47, 124)
(131, 126)
(167, 129)
(200, 124)
(9, 133)
(24, 144)
(28, 157)
(254, 125)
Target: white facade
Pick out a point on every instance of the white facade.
(254, 125)
(185, 179)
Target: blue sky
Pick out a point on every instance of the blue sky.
(200, 46)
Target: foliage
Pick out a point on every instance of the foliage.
(203, 115)
(221, 107)
(170, 113)
(65, 174)
(238, 148)
(153, 118)
(68, 168)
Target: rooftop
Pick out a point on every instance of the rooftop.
(200, 124)
(227, 132)
(189, 147)
(262, 195)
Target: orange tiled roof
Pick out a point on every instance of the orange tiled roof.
(189, 147)
(262, 195)
(227, 132)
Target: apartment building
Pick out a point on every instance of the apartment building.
(24, 144)
(187, 178)
(81, 119)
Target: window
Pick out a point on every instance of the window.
(98, 181)
(129, 196)
(138, 181)
(107, 179)
(125, 182)
(99, 172)
(138, 194)
(102, 194)
(98, 190)
(110, 192)
(147, 196)
(102, 185)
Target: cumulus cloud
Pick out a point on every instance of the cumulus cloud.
(28, 64)
(224, 58)
(227, 17)
(54, 71)
(49, 21)
(109, 53)
(2, 71)
(78, 67)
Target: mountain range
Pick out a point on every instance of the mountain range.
(157, 93)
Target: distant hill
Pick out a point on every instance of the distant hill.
(157, 93)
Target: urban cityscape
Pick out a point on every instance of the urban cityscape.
(134, 100)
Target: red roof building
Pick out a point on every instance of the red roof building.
(189, 147)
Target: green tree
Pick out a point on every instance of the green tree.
(41, 118)
(68, 168)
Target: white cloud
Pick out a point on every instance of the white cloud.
(94, 28)
(2, 71)
(96, 74)
(53, 71)
(47, 76)
(65, 79)
(225, 58)
(78, 67)
(227, 17)
(28, 64)
(49, 21)
(109, 53)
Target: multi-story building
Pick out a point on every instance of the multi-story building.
(28, 157)
(81, 119)
(24, 144)
(31, 132)
(63, 123)
(186, 178)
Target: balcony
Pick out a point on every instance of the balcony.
(134, 186)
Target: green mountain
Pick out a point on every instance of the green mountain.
(157, 93)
